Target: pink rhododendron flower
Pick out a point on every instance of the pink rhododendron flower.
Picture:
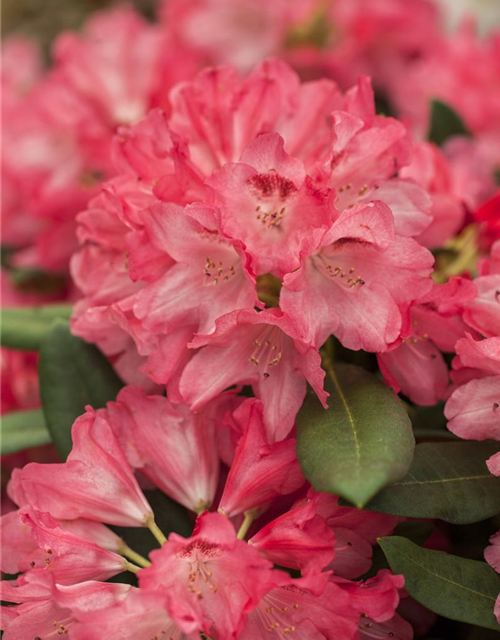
(416, 366)
(483, 312)
(222, 577)
(42, 617)
(310, 606)
(168, 444)
(361, 262)
(262, 349)
(267, 203)
(74, 489)
(221, 172)
(472, 409)
(70, 558)
(261, 470)
(143, 614)
(430, 169)
(299, 539)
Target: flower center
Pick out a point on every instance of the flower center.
(61, 628)
(216, 271)
(268, 349)
(345, 277)
(271, 190)
(369, 629)
(275, 613)
(198, 554)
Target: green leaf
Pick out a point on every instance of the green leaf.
(361, 443)
(26, 327)
(445, 123)
(453, 587)
(447, 480)
(23, 429)
(73, 374)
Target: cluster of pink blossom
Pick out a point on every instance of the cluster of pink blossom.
(214, 581)
(61, 123)
(473, 409)
(225, 223)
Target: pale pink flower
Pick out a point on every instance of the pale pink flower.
(68, 557)
(212, 578)
(142, 614)
(360, 285)
(54, 613)
(416, 365)
(261, 470)
(171, 446)
(267, 202)
(210, 276)
(262, 349)
(310, 606)
(473, 408)
(74, 489)
(483, 312)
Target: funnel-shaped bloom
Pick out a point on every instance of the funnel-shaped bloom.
(267, 203)
(260, 471)
(173, 447)
(310, 607)
(95, 482)
(142, 615)
(261, 349)
(211, 578)
(207, 281)
(360, 285)
(70, 558)
(473, 410)
(299, 539)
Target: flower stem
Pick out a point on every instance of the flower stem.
(129, 553)
(246, 524)
(129, 566)
(155, 529)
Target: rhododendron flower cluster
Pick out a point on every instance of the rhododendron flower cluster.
(214, 224)
(213, 581)
(251, 293)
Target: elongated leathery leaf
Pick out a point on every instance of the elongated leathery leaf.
(453, 587)
(23, 429)
(447, 480)
(361, 443)
(26, 327)
(73, 374)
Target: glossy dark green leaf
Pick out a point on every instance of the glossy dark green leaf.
(26, 327)
(453, 587)
(445, 123)
(447, 480)
(361, 443)
(73, 374)
(23, 429)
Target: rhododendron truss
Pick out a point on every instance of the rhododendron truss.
(220, 218)
(215, 581)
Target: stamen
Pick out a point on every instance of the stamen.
(215, 273)
(338, 272)
(269, 349)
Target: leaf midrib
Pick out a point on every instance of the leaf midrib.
(350, 417)
(437, 575)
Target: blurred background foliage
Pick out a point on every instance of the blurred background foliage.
(45, 19)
